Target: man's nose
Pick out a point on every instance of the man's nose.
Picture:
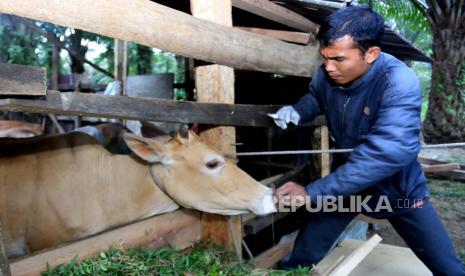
(329, 66)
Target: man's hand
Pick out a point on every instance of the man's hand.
(292, 193)
(285, 115)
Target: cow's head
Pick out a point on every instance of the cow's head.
(196, 176)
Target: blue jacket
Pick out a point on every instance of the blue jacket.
(379, 116)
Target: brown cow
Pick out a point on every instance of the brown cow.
(60, 188)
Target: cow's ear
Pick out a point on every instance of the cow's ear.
(150, 150)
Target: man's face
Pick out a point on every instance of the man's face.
(343, 62)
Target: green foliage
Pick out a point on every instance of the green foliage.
(198, 260)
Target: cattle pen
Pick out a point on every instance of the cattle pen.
(215, 47)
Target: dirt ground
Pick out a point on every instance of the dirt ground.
(448, 198)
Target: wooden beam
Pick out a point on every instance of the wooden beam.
(157, 26)
(273, 255)
(179, 229)
(143, 109)
(277, 13)
(295, 37)
(22, 80)
(215, 84)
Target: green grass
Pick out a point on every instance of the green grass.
(462, 256)
(447, 189)
(198, 260)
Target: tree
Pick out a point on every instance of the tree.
(445, 119)
(445, 19)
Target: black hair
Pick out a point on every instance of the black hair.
(365, 26)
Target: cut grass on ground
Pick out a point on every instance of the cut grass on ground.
(198, 260)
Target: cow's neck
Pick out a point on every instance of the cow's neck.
(149, 199)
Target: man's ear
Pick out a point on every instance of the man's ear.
(150, 150)
(372, 54)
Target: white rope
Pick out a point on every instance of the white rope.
(288, 152)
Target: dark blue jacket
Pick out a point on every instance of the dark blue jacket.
(379, 116)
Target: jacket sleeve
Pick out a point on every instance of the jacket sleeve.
(392, 144)
(308, 106)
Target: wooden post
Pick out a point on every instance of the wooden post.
(325, 164)
(121, 64)
(4, 266)
(215, 84)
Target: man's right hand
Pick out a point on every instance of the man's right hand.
(285, 115)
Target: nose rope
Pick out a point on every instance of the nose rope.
(158, 183)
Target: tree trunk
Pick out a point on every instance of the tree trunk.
(144, 59)
(445, 120)
(77, 64)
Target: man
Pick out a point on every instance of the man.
(372, 103)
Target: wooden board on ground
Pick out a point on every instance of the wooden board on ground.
(273, 255)
(350, 262)
(458, 174)
(178, 229)
(384, 260)
(22, 80)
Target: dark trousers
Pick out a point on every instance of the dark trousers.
(420, 228)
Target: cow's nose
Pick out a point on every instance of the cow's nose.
(265, 205)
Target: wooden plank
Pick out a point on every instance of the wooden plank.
(384, 260)
(277, 13)
(273, 255)
(440, 167)
(147, 109)
(179, 229)
(429, 161)
(144, 109)
(295, 37)
(215, 84)
(4, 266)
(158, 26)
(455, 174)
(23, 80)
(351, 261)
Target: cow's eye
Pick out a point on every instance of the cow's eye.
(213, 164)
